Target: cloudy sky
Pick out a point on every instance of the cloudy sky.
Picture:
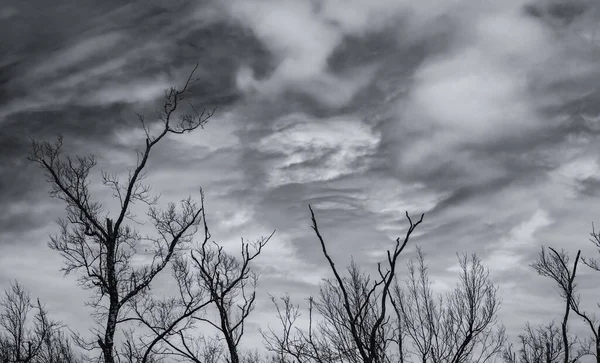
(484, 115)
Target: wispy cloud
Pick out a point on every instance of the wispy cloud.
(302, 149)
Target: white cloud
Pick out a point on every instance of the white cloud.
(79, 52)
(359, 16)
(507, 255)
(280, 261)
(476, 93)
(307, 150)
(234, 218)
(131, 92)
(513, 38)
(578, 169)
(300, 42)
(301, 36)
(469, 97)
(329, 205)
(391, 199)
(573, 171)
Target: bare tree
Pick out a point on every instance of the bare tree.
(356, 325)
(290, 345)
(555, 265)
(101, 249)
(168, 319)
(459, 327)
(135, 350)
(366, 343)
(27, 334)
(417, 309)
(209, 281)
(591, 345)
(57, 349)
(330, 339)
(542, 344)
(231, 284)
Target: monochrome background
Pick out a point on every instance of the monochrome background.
(482, 114)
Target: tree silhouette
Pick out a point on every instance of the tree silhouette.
(100, 249)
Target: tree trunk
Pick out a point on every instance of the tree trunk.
(109, 334)
(113, 309)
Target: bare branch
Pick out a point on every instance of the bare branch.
(356, 326)
(555, 266)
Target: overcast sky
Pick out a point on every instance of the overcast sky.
(484, 115)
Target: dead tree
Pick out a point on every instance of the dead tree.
(555, 265)
(591, 345)
(211, 282)
(166, 320)
(57, 348)
(135, 350)
(27, 334)
(459, 327)
(356, 323)
(101, 248)
(231, 285)
(542, 344)
(290, 345)
(329, 339)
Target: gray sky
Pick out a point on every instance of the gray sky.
(481, 114)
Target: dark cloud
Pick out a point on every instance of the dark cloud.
(71, 76)
(566, 12)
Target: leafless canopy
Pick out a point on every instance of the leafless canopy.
(555, 265)
(27, 334)
(542, 344)
(356, 324)
(459, 327)
(100, 246)
(210, 281)
(591, 345)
